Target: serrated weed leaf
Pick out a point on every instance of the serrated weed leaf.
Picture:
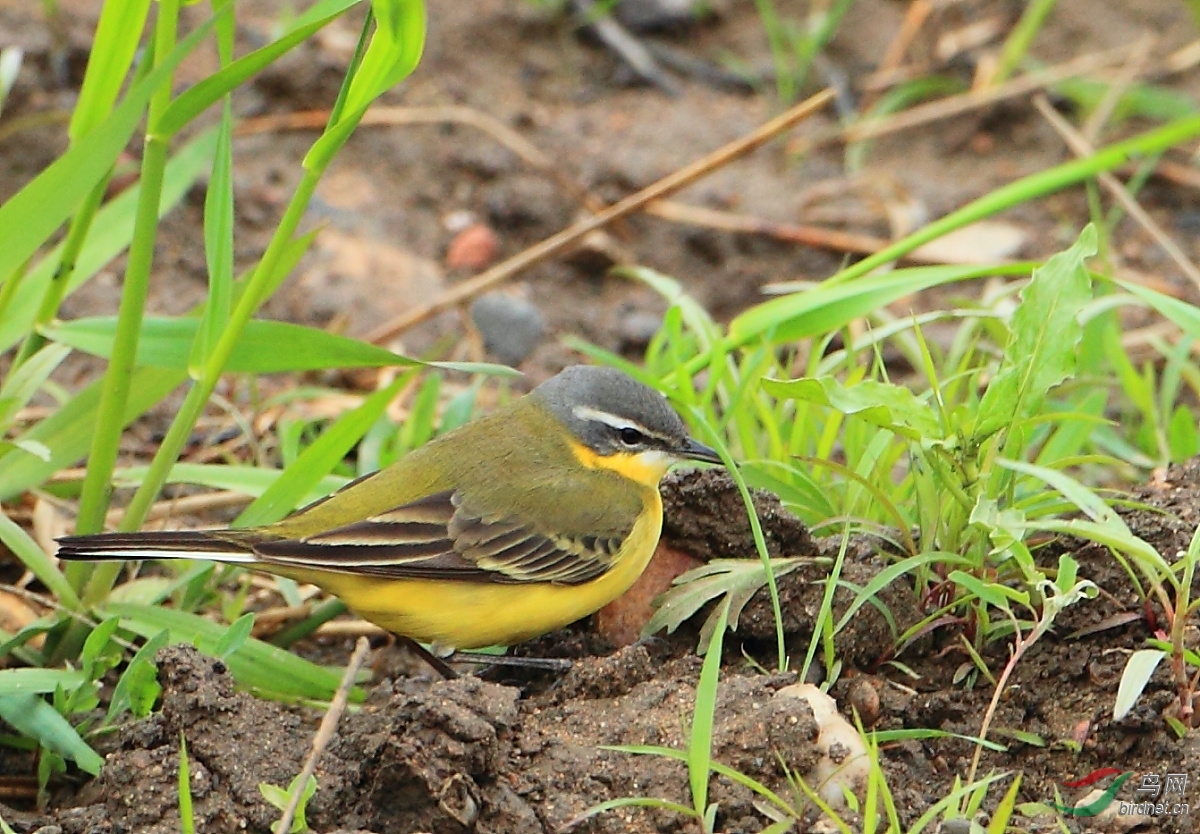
(1045, 334)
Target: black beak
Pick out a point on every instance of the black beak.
(693, 449)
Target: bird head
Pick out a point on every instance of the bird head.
(618, 423)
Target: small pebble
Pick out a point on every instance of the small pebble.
(639, 327)
(864, 698)
(658, 15)
(511, 327)
(474, 248)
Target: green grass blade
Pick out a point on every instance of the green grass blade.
(392, 54)
(33, 214)
(1031, 188)
(256, 665)
(38, 681)
(265, 346)
(218, 243)
(187, 817)
(318, 459)
(249, 480)
(37, 562)
(118, 33)
(110, 234)
(68, 432)
(836, 302)
(33, 717)
(207, 92)
(703, 714)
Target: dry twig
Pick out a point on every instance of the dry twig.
(324, 734)
(557, 243)
(1081, 147)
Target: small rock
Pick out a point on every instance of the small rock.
(657, 15)
(638, 328)
(511, 327)
(622, 620)
(864, 698)
(844, 764)
(474, 248)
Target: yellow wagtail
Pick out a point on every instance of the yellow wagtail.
(511, 526)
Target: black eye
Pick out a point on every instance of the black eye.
(632, 437)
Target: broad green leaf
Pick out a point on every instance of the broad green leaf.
(137, 689)
(235, 636)
(33, 717)
(281, 798)
(265, 347)
(113, 47)
(879, 403)
(738, 579)
(255, 665)
(1045, 334)
(110, 234)
(31, 216)
(1138, 669)
(68, 432)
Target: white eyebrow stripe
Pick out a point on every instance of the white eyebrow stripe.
(584, 412)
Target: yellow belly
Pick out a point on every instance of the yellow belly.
(471, 615)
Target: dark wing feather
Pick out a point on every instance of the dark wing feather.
(437, 537)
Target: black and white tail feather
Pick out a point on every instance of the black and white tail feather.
(182, 544)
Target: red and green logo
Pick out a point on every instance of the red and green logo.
(1104, 800)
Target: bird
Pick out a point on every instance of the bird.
(513, 525)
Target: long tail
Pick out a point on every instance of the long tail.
(218, 545)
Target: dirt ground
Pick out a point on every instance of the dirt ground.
(515, 756)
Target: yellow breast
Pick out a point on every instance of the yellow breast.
(471, 615)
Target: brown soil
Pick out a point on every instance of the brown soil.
(523, 754)
(470, 754)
